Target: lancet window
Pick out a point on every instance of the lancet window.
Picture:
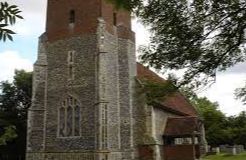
(70, 59)
(69, 118)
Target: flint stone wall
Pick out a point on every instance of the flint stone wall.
(90, 66)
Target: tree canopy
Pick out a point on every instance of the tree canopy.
(241, 94)
(198, 37)
(214, 121)
(126, 4)
(220, 129)
(15, 99)
(8, 16)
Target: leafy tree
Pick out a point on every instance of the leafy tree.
(238, 127)
(8, 16)
(126, 4)
(8, 134)
(15, 99)
(219, 128)
(198, 37)
(241, 94)
(214, 120)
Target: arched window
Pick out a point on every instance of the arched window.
(69, 118)
(72, 16)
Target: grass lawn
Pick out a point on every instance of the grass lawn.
(241, 156)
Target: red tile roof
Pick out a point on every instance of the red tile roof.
(181, 126)
(175, 102)
(143, 73)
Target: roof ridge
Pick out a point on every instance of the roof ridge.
(183, 117)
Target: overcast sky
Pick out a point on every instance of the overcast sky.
(22, 53)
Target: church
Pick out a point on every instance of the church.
(88, 102)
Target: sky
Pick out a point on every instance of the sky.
(22, 53)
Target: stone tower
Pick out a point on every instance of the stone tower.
(83, 84)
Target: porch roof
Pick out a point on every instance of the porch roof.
(182, 126)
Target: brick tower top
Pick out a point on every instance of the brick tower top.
(67, 18)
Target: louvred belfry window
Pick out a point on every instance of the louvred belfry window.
(72, 16)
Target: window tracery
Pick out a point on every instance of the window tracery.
(69, 118)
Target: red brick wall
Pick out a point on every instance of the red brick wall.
(123, 16)
(86, 17)
(181, 152)
(86, 13)
(146, 152)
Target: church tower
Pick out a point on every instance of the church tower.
(82, 104)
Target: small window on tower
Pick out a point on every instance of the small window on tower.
(115, 18)
(72, 16)
(71, 55)
(71, 72)
(70, 59)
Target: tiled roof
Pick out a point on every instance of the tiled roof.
(144, 73)
(181, 126)
(175, 102)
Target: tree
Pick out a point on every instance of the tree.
(8, 16)
(238, 124)
(198, 37)
(126, 4)
(8, 134)
(15, 99)
(220, 129)
(241, 94)
(214, 121)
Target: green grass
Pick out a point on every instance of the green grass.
(241, 156)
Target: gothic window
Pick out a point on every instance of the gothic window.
(72, 16)
(69, 118)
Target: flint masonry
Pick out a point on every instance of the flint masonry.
(87, 100)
